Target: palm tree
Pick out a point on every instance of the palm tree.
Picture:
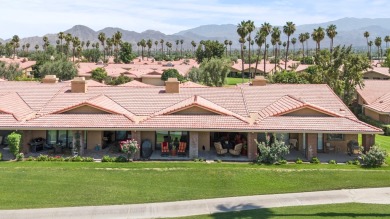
(293, 41)
(369, 44)
(387, 39)
(149, 43)
(289, 30)
(27, 46)
(366, 35)
(242, 32)
(273, 42)
(68, 39)
(266, 29)
(156, 43)
(181, 47)
(15, 43)
(226, 42)
(162, 46)
(23, 47)
(46, 42)
(331, 33)
(117, 39)
(307, 36)
(230, 47)
(193, 46)
(318, 35)
(250, 27)
(275, 38)
(88, 43)
(302, 39)
(110, 44)
(378, 44)
(61, 36)
(75, 44)
(36, 47)
(260, 40)
(102, 39)
(142, 43)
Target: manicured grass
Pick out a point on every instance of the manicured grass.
(234, 81)
(56, 184)
(350, 210)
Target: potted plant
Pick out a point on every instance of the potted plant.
(173, 150)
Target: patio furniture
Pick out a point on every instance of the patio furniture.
(219, 149)
(237, 150)
(164, 148)
(353, 147)
(37, 144)
(330, 148)
(182, 149)
(293, 143)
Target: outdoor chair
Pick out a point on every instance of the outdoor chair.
(219, 149)
(237, 150)
(293, 143)
(182, 149)
(164, 148)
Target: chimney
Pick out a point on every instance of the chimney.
(79, 85)
(50, 79)
(259, 81)
(172, 86)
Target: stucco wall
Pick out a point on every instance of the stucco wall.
(372, 75)
(341, 146)
(153, 81)
(150, 135)
(204, 139)
(384, 118)
(194, 111)
(371, 114)
(94, 138)
(85, 110)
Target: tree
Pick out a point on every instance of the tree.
(230, 47)
(181, 47)
(214, 71)
(293, 41)
(302, 39)
(10, 71)
(195, 75)
(260, 40)
(102, 39)
(36, 47)
(387, 40)
(211, 49)
(171, 73)
(177, 44)
(318, 35)
(370, 43)
(289, 30)
(15, 43)
(331, 33)
(288, 77)
(226, 42)
(162, 46)
(122, 79)
(307, 36)
(27, 46)
(275, 38)
(250, 27)
(13, 140)
(46, 42)
(366, 35)
(117, 40)
(75, 44)
(99, 74)
(125, 53)
(156, 43)
(142, 43)
(378, 44)
(68, 39)
(61, 36)
(149, 43)
(62, 68)
(242, 33)
(265, 29)
(193, 46)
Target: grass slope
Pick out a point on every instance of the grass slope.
(51, 184)
(350, 210)
(234, 81)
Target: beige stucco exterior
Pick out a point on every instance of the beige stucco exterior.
(94, 138)
(153, 81)
(375, 75)
(372, 114)
(305, 112)
(204, 140)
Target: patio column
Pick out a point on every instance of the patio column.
(252, 147)
(81, 143)
(137, 136)
(304, 144)
(194, 139)
(312, 145)
(26, 138)
(368, 140)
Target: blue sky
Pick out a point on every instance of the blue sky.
(38, 17)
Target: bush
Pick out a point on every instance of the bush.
(375, 157)
(1, 156)
(350, 162)
(356, 162)
(272, 154)
(20, 157)
(13, 140)
(121, 159)
(107, 158)
(282, 162)
(332, 162)
(77, 159)
(42, 157)
(219, 161)
(315, 160)
(30, 158)
(171, 73)
(299, 161)
(87, 159)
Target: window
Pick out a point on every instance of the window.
(170, 136)
(63, 137)
(335, 137)
(122, 135)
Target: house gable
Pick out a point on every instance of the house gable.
(306, 111)
(85, 109)
(194, 110)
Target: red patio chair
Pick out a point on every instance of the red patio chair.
(164, 149)
(182, 149)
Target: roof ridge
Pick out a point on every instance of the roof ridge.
(363, 123)
(244, 100)
(38, 113)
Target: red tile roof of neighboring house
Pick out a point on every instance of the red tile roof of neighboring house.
(373, 89)
(22, 62)
(302, 67)
(135, 83)
(191, 84)
(380, 70)
(151, 107)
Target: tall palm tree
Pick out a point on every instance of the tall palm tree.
(177, 44)
(366, 35)
(307, 36)
(370, 43)
(378, 44)
(15, 43)
(117, 39)
(260, 40)
(36, 47)
(181, 47)
(293, 41)
(88, 43)
(110, 44)
(230, 47)
(142, 43)
(61, 36)
(193, 46)
(226, 42)
(75, 44)
(275, 38)
(250, 27)
(162, 46)
(46, 42)
(289, 30)
(27, 46)
(387, 39)
(242, 31)
(149, 43)
(331, 33)
(68, 39)
(102, 39)
(155, 43)
(302, 39)
(318, 35)
(266, 29)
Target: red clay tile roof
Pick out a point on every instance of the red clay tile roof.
(382, 104)
(135, 83)
(373, 89)
(191, 84)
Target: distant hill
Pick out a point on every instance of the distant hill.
(350, 31)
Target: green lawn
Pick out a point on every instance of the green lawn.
(234, 81)
(382, 141)
(56, 184)
(350, 210)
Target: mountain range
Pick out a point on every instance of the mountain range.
(350, 31)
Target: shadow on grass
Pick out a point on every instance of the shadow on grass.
(252, 212)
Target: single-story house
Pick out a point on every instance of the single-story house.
(24, 64)
(374, 98)
(310, 116)
(377, 73)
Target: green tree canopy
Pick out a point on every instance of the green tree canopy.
(289, 77)
(125, 53)
(171, 73)
(122, 79)
(99, 74)
(214, 71)
(209, 49)
(62, 68)
(10, 71)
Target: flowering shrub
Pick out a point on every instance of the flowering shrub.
(20, 157)
(375, 157)
(129, 147)
(272, 154)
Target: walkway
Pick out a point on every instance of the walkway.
(205, 206)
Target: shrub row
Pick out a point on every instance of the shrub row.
(42, 157)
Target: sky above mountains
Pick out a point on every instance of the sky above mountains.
(38, 17)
